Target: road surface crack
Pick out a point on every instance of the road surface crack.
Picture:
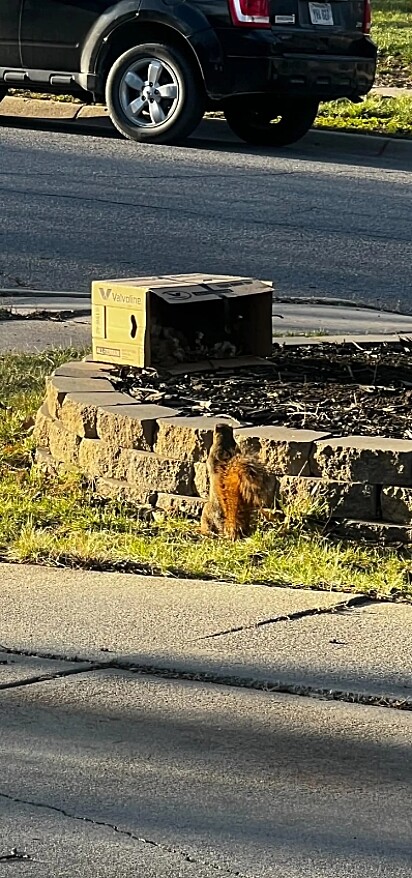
(183, 855)
(358, 601)
(14, 854)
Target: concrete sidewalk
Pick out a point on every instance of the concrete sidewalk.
(291, 640)
(183, 729)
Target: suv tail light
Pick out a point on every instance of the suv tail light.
(367, 16)
(250, 13)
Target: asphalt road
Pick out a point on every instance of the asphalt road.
(76, 207)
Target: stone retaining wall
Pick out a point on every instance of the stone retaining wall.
(151, 456)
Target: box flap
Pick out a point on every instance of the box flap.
(212, 289)
(176, 289)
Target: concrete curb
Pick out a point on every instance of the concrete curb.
(349, 339)
(38, 108)
(95, 120)
(391, 91)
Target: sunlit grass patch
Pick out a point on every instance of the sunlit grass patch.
(58, 520)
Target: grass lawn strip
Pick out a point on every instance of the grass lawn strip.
(392, 31)
(58, 521)
(375, 115)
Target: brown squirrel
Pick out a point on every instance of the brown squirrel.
(237, 488)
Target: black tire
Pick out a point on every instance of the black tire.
(254, 121)
(182, 112)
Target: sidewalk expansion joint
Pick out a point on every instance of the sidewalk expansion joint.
(357, 601)
(46, 677)
(207, 678)
(278, 687)
(183, 855)
(53, 656)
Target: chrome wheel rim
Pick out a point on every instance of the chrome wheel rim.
(149, 93)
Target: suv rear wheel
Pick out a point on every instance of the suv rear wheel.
(268, 121)
(154, 94)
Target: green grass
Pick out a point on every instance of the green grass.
(392, 31)
(375, 115)
(59, 521)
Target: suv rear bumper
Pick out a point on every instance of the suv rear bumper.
(254, 63)
(326, 78)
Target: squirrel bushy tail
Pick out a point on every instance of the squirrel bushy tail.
(240, 492)
(238, 486)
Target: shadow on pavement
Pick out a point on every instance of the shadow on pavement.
(214, 135)
(282, 779)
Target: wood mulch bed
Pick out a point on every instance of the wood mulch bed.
(345, 389)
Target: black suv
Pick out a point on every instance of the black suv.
(159, 64)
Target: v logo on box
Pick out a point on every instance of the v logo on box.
(105, 293)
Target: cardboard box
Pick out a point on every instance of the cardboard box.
(141, 321)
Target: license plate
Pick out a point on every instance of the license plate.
(321, 13)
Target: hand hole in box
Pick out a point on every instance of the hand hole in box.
(133, 327)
